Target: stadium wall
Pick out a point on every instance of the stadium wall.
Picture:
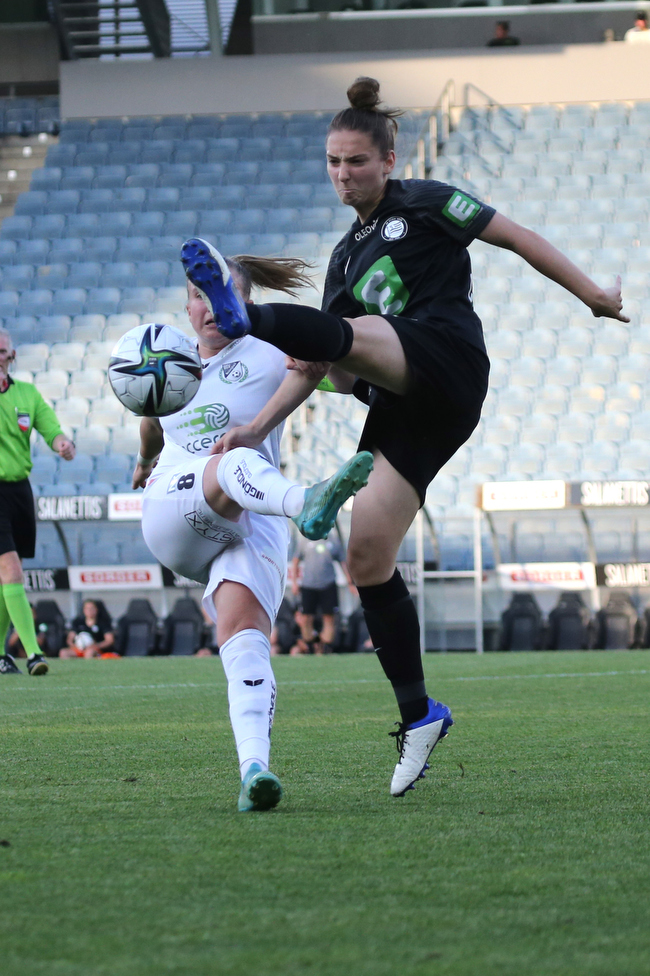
(575, 73)
(29, 54)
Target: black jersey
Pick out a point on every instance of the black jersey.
(410, 258)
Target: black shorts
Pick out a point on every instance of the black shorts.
(17, 518)
(419, 432)
(325, 600)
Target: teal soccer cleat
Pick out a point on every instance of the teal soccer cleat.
(323, 501)
(260, 790)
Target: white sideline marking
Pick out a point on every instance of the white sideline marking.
(353, 681)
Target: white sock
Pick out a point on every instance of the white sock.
(246, 660)
(252, 481)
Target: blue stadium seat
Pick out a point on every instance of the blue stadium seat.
(103, 301)
(255, 148)
(97, 200)
(214, 222)
(16, 276)
(8, 303)
(194, 198)
(271, 130)
(133, 248)
(291, 149)
(162, 249)
(80, 127)
(110, 177)
(48, 226)
(208, 177)
(138, 300)
(7, 252)
(38, 302)
(60, 155)
(125, 154)
(164, 198)
(118, 275)
(69, 301)
(149, 224)
(203, 129)
(53, 328)
(84, 224)
(23, 329)
(182, 222)
(190, 151)
(236, 130)
(310, 171)
(250, 221)
(169, 131)
(131, 198)
(16, 228)
(267, 244)
(115, 124)
(234, 243)
(77, 178)
(227, 196)
(113, 467)
(157, 151)
(31, 203)
(145, 180)
(76, 471)
(142, 129)
(276, 172)
(117, 224)
(64, 249)
(95, 156)
(52, 276)
(87, 328)
(241, 173)
(175, 174)
(316, 219)
(152, 274)
(221, 150)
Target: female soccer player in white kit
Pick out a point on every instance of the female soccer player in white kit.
(220, 516)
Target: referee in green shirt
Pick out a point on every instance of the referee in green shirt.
(22, 408)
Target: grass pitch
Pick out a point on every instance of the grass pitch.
(525, 851)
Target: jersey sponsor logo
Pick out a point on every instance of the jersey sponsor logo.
(24, 421)
(368, 229)
(216, 533)
(235, 372)
(394, 229)
(381, 290)
(201, 423)
(461, 209)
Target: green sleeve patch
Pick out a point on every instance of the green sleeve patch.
(460, 209)
(381, 291)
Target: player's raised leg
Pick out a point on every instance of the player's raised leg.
(254, 484)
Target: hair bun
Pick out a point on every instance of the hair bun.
(364, 94)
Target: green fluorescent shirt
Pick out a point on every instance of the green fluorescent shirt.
(22, 408)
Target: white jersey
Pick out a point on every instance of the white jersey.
(236, 384)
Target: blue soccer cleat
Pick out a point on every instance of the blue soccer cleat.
(210, 275)
(323, 501)
(415, 743)
(260, 790)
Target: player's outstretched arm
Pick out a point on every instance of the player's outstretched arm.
(151, 444)
(546, 259)
(294, 390)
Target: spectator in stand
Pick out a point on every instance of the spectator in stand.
(22, 409)
(640, 33)
(319, 591)
(91, 634)
(502, 37)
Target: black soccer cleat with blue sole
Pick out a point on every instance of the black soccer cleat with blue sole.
(210, 275)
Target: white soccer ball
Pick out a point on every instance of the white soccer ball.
(154, 370)
(83, 640)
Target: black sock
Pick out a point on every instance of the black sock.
(301, 331)
(395, 631)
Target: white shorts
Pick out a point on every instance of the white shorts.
(187, 536)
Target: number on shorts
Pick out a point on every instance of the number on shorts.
(185, 480)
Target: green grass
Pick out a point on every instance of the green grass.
(525, 851)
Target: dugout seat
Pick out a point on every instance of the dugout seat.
(137, 630)
(617, 623)
(570, 625)
(50, 617)
(183, 629)
(521, 624)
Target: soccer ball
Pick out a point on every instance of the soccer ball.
(154, 370)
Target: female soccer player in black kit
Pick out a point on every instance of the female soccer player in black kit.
(399, 325)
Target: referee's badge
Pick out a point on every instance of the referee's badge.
(394, 229)
(23, 421)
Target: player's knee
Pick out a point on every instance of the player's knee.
(369, 562)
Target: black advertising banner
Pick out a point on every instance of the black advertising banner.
(610, 494)
(71, 508)
(46, 580)
(623, 575)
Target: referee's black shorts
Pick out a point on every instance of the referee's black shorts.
(419, 432)
(17, 518)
